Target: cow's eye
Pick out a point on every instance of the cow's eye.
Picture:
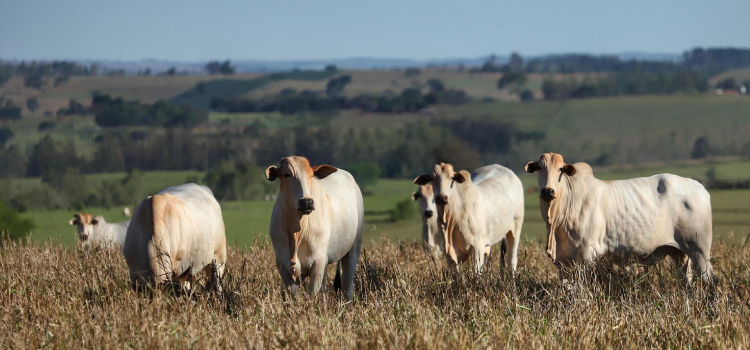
(287, 175)
(561, 169)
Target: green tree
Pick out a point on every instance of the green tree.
(335, 86)
(32, 104)
(237, 181)
(11, 111)
(365, 173)
(71, 182)
(50, 155)
(5, 135)
(527, 95)
(12, 224)
(701, 148)
(436, 85)
(516, 63)
(226, 68)
(513, 79)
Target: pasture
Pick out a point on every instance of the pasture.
(59, 297)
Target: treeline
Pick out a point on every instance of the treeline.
(634, 83)
(113, 112)
(709, 61)
(290, 101)
(36, 72)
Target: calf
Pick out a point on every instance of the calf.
(431, 235)
(476, 211)
(94, 232)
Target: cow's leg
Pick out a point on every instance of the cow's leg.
(348, 268)
(286, 278)
(478, 252)
(683, 265)
(513, 240)
(488, 255)
(215, 274)
(317, 271)
(703, 265)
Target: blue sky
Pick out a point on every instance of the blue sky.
(290, 29)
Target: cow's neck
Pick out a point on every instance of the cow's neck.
(457, 214)
(303, 227)
(564, 212)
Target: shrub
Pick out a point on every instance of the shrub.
(404, 210)
(237, 181)
(12, 224)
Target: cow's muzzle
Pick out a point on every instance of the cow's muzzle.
(428, 213)
(84, 237)
(547, 194)
(305, 206)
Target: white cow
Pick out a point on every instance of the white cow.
(94, 232)
(318, 219)
(176, 234)
(476, 211)
(431, 235)
(644, 218)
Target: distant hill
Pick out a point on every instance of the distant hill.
(351, 63)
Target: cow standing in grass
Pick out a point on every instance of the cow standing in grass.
(431, 235)
(318, 219)
(476, 211)
(94, 232)
(176, 234)
(644, 218)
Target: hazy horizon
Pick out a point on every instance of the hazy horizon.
(195, 31)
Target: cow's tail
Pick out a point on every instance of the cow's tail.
(337, 279)
(503, 249)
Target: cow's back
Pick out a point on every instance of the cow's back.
(644, 213)
(500, 186)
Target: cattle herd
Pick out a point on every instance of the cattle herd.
(318, 219)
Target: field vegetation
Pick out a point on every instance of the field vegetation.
(61, 297)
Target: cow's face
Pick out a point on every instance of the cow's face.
(444, 181)
(85, 224)
(426, 199)
(551, 170)
(296, 176)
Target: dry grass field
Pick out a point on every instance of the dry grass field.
(61, 297)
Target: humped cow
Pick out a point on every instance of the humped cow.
(645, 218)
(176, 234)
(318, 219)
(476, 211)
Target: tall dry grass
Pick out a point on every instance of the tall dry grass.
(57, 297)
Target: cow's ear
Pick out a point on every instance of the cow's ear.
(272, 173)
(569, 169)
(531, 167)
(458, 177)
(423, 179)
(322, 171)
(74, 221)
(415, 196)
